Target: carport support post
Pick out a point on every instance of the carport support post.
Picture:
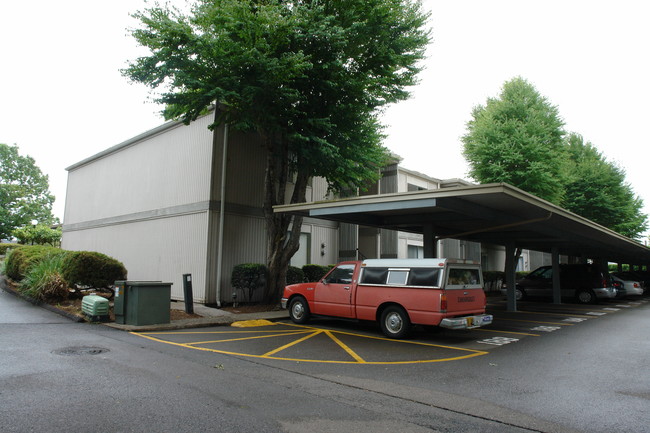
(555, 263)
(430, 243)
(511, 265)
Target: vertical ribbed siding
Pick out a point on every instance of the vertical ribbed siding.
(159, 249)
(168, 169)
(244, 242)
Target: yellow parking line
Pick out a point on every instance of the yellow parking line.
(417, 343)
(535, 321)
(281, 334)
(345, 347)
(324, 361)
(293, 343)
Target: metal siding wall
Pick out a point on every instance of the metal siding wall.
(168, 169)
(244, 242)
(348, 241)
(155, 250)
(329, 236)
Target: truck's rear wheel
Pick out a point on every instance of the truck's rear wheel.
(395, 322)
(299, 310)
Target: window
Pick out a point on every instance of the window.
(397, 276)
(460, 276)
(424, 277)
(374, 275)
(341, 275)
(415, 252)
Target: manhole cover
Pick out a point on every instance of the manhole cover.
(80, 351)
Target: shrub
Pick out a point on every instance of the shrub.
(5, 247)
(19, 261)
(91, 269)
(44, 279)
(248, 277)
(314, 273)
(295, 275)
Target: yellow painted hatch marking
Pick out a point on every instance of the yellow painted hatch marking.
(311, 333)
(350, 352)
(293, 343)
(257, 337)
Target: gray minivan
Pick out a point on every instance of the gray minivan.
(586, 283)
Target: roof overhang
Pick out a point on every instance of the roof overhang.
(494, 213)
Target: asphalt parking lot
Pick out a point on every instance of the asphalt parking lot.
(327, 340)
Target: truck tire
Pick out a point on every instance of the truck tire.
(299, 310)
(395, 322)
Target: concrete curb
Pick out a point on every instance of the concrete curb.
(203, 322)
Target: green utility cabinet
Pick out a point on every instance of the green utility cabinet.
(142, 302)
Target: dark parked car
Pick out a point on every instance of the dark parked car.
(585, 283)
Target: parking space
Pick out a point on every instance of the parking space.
(337, 341)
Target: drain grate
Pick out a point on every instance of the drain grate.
(69, 351)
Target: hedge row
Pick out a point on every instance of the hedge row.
(78, 268)
(249, 277)
(4, 247)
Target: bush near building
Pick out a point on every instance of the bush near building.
(314, 273)
(45, 272)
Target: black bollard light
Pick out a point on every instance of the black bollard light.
(187, 292)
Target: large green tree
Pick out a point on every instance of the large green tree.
(310, 76)
(517, 138)
(596, 189)
(24, 192)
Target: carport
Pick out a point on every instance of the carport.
(499, 214)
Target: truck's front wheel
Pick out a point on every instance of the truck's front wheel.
(299, 310)
(395, 322)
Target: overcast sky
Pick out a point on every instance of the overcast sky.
(62, 98)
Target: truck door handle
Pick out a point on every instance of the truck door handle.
(346, 288)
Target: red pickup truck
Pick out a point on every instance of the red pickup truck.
(396, 293)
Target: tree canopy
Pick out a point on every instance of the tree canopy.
(517, 138)
(24, 192)
(310, 76)
(596, 189)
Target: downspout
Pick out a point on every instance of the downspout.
(222, 211)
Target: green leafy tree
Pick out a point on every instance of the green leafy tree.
(596, 189)
(309, 76)
(24, 192)
(517, 138)
(39, 234)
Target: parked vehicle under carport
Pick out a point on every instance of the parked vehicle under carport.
(586, 283)
(632, 288)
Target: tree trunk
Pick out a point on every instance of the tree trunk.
(283, 231)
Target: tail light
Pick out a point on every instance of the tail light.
(443, 303)
(636, 285)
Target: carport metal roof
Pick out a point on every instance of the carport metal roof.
(494, 213)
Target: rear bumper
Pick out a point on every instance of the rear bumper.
(283, 301)
(466, 322)
(605, 293)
